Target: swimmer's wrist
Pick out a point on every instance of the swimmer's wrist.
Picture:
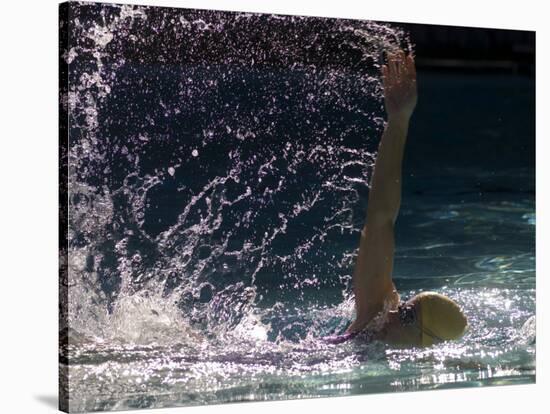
(399, 120)
(398, 124)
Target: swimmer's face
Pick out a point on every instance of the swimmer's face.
(399, 333)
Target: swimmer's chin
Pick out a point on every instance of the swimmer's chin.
(395, 334)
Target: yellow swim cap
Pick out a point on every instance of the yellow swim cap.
(441, 318)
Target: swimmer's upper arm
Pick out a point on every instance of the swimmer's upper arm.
(373, 270)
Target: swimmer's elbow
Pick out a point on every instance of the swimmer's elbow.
(381, 219)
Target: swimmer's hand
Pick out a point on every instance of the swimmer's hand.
(399, 79)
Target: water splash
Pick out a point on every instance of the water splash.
(211, 177)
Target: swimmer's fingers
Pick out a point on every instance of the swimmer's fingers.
(402, 67)
(411, 68)
(389, 71)
(401, 64)
(393, 64)
(411, 77)
(385, 76)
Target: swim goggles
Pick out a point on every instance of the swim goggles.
(408, 317)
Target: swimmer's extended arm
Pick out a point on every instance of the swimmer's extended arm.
(372, 276)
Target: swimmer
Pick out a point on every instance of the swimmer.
(428, 317)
